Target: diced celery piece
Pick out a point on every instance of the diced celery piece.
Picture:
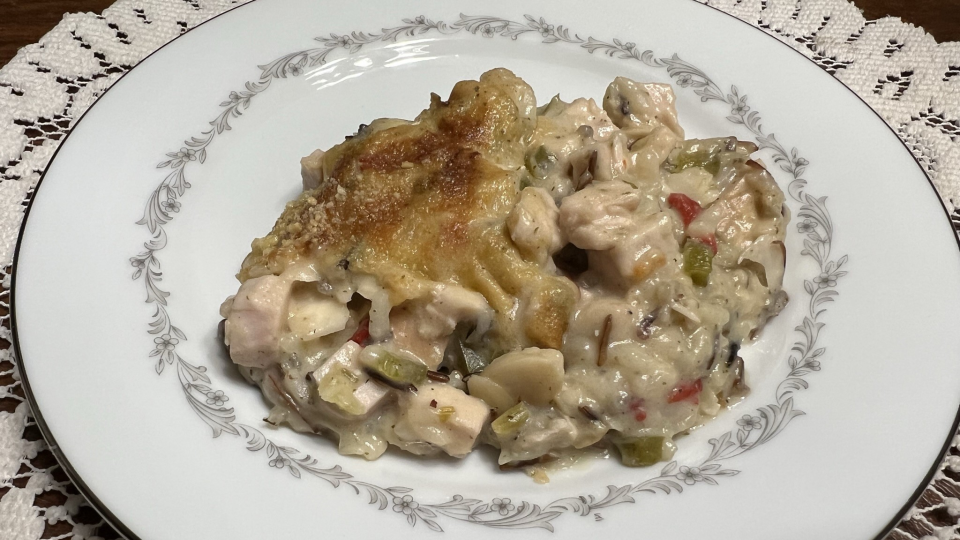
(701, 153)
(512, 420)
(400, 369)
(692, 159)
(697, 262)
(446, 413)
(641, 451)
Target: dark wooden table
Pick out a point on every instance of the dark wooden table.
(24, 21)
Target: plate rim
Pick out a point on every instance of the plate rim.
(115, 521)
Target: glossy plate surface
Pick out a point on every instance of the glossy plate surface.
(158, 191)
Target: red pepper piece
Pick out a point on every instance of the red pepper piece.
(710, 241)
(363, 332)
(688, 208)
(686, 390)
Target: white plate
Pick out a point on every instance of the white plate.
(865, 348)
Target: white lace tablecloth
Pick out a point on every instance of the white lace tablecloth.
(900, 70)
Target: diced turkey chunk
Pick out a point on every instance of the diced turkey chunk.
(406, 324)
(543, 431)
(696, 183)
(311, 170)
(533, 224)
(312, 314)
(450, 304)
(342, 383)
(650, 152)
(423, 328)
(648, 245)
(443, 416)
(255, 321)
(586, 112)
(532, 375)
(641, 105)
(600, 216)
(746, 209)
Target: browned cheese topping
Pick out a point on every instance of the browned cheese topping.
(412, 203)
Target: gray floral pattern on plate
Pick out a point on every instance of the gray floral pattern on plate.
(753, 429)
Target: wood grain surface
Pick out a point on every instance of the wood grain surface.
(25, 21)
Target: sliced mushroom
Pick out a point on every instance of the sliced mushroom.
(583, 169)
(766, 257)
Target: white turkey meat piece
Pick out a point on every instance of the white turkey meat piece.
(451, 304)
(312, 314)
(586, 112)
(648, 235)
(423, 328)
(368, 394)
(454, 433)
(643, 106)
(533, 224)
(255, 319)
(599, 216)
(542, 432)
(406, 324)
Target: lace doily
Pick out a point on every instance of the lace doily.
(899, 69)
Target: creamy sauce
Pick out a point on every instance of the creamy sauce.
(554, 282)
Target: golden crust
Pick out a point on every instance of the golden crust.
(421, 202)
